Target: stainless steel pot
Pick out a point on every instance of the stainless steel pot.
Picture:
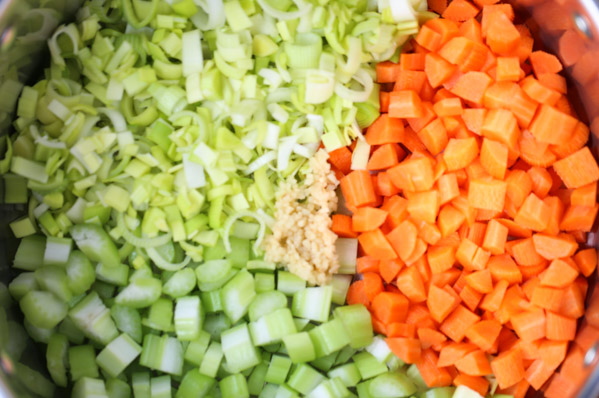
(26, 24)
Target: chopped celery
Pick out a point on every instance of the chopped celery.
(289, 283)
(127, 320)
(465, 392)
(30, 253)
(272, 327)
(329, 337)
(92, 317)
(43, 309)
(56, 359)
(313, 303)
(118, 354)
(162, 353)
(441, 392)
(160, 387)
(82, 362)
(299, 347)
(80, 272)
(234, 386)
(237, 295)
(189, 317)
(96, 244)
(304, 378)
(140, 292)
(392, 384)
(180, 283)
(194, 353)
(194, 384)
(348, 374)
(212, 359)
(54, 280)
(238, 349)
(160, 315)
(277, 369)
(368, 365)
(117, 388)
(265, 303)
(355, 321)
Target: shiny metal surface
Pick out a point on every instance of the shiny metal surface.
(26, 24)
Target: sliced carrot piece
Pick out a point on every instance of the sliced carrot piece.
(456, 324)
(475, 383)
(484, 334)
(474, 364)
(460, 11)
(368, 219)
(342, 226)
(390, 307)
(471, 86)
(487, 195)
(404, 104)
(384, 130)
(508, 368)
(410, 283)
(432, 375)
(376, 245)
(407, 349)
(554, 247)
(578, 169)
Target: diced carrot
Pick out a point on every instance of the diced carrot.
(440, 303)
(586, 260)
(474, 364)
(585, 195)
(387, 72)
(490, 10)
(559, 327)
(519, 186)
(533, 213)
(411, 62)
(508, 69)
(448, 188)
(475, 383)
(441, 258)
(413, 175)
(409, 282)
(529, 325)
(428, 38)
(430, 337)
(487, 195)
(403, 239)
(407, 349)
(501, 125)
(579, 218)
(572, 304)
(445, 27)
(538, 92)
(495, 237)
(456, 324)
(384, 101)
(383, 157)
(357, 295)
(484, 334)
(548, 298)
(432, 375)
(434, 136)
(578, 169)
(494, 158)
(397, 210)
(552, 126)
(454, 351)
(459, 153)
(471, 298)
(543, 62)
(385, 130)
(502, 35)
(373, 284)
(492, 301)
(342, 226)
(367, 264)
(460, 11)
(368, 219)
(587, 336)
(449, 107)
(357, 188)
(437, 6)
(504, 268)
(410, 80)
(376, 245)
(541, 181)
(389, 269)
(480, 281)
(341, 159)
(450, 220)
(401, 330)
(474, 119)
(405, 104)
(508, 368)
(471, 86)
(390, 307)
(383, 185)
(437, 69)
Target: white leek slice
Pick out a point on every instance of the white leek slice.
(362, 77)
(303, 8)
(193, 60)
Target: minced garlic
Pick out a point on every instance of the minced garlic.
(301, 238)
